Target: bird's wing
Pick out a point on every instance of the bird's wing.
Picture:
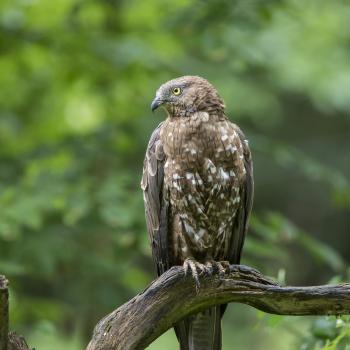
(156, 203)
(157, 215)
(240, 225)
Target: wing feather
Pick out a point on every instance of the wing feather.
(240, 225)
(156, 202)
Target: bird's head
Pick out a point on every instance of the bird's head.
(184, 96)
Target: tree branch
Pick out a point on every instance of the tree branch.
(4, 312)
(8, 341)
(173, 296)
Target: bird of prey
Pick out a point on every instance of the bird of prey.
(198, 190)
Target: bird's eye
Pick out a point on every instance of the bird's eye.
(177, 91)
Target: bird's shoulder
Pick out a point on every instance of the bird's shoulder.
(239, 135)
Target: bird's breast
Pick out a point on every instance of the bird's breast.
(186, 139)
(203, 156)
(190, 141)
(203, 172)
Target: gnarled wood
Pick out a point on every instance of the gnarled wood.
(16, 342)
(4, 312)
(173, 296)
(8, 341)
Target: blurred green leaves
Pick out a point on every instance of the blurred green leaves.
(328, 333)
(275, 232)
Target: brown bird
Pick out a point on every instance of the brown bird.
(198, 191)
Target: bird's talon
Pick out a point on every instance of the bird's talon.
(196, 268)
(226, 266)
(209, 268)
(185, 267)
(196, 280)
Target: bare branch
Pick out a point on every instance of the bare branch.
(4, 312)
(8, 341)
(173, 296)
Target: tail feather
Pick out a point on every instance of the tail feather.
(201, 331)
(181, 330)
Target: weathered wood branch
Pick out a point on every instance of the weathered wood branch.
(8, 340)
(4, 312)
(173, 296)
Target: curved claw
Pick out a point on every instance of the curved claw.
(196, 269)
(222, 267)
(209, 267)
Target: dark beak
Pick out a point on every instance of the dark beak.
(155, 104)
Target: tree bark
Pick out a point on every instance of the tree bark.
(4, 312)
(8, 341)
(173, 296)
(16, 342)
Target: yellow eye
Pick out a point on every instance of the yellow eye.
(177, 91)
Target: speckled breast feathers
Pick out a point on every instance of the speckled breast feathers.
(202, 174)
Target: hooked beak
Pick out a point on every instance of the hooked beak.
(156, 103)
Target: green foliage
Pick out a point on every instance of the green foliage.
(275, 231)
(328, 333)
(77, 79)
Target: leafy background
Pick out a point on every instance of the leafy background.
(77, 78)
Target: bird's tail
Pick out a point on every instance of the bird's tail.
(201, 331)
